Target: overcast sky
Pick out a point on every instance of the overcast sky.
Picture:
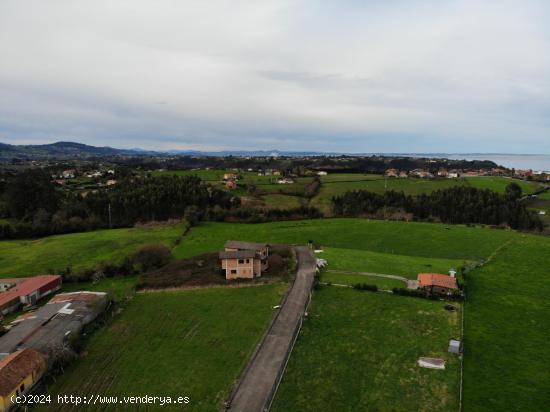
(355, 76)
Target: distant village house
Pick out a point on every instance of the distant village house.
(231, 184)
(423, 174)
(392, 173)
(229, 176)
(68, 174)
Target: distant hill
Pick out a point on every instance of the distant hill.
(63, 150)
(71, 150)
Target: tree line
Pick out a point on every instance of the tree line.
(454, 205)
(37, 207)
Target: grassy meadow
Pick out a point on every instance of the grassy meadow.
(456, 242)
(79, 250)
(357, 351)
(498, 183)
(187, 343)
(354, 260)
(494, 297)
(120, 288)
(339, 183)
(350, 279)
(210, 175)
(273, 195)
(281, 201)
(197, 341)
(507, 329)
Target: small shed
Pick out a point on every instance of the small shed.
(455, 346)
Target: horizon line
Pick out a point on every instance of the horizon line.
(137, 149)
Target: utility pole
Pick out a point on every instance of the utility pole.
(110, 221)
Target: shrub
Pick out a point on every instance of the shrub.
(192, 215)
(408, 292)
(317, 281)
(151, 257)
(365, 286)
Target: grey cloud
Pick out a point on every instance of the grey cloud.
(365, 76)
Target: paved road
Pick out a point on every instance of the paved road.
(261, 377)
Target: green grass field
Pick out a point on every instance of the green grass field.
(507, 330)
(79, 250)
(210, 175)
(119, 288)
(349, 177)
(386, 263)
(189, 343)
(412, 238)
(507, 313)
(545, 195)
(274, 195)
(339, 183)
(350, 279)
(282, 201)
(295, 189)
(498, 184)
(492, 301)
(357, 351)
(333, 186)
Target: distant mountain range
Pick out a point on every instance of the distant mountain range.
(72, 150)
(63, 150)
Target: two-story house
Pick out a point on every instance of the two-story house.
(244, 259)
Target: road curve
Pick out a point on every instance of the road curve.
(260, 379)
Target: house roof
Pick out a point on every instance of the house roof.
(239, 254)
(49, 325)
(82, 296)
(17, 366)
(437, 279)
(24, 287)
(237, 244)
(7, 298)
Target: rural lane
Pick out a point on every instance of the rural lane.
(260, 379)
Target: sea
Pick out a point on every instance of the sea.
(534, 162)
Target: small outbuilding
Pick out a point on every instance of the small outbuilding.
(437, 283)
(455, 346)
